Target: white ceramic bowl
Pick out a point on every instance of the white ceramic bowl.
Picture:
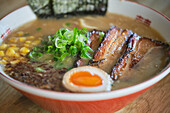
(106, 102)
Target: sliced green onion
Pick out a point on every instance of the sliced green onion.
(75, 33)
(59, 43)
(68, 24)
(73, 50)
(101, 36)
(85, 52)
(38, 69)
(26, 34)
(39, 29)
(34, 55)
(68, 35)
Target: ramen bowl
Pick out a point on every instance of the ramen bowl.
(104, 102)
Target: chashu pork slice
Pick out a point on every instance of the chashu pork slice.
(111, 49)
(95, 38)
(137, 48)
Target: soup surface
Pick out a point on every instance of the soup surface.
(21, 41)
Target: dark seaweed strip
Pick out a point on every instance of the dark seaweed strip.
(66, 8)
(41, 8)
(51, 7)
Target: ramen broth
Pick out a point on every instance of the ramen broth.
(150, 65)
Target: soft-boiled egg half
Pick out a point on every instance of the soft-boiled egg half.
(87, 79)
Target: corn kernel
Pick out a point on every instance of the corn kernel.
(22, 39)
(21, 33)
(16, 55)
(13, 45)
(5, 58)
(14, 62)
(28, 42)
(10, 51)
(36, 42)
(3, 46)
(25, 45)
(14, 48)
(13, 39)
(24, 50)
(3, 62)
(30, 37)
(1, 53)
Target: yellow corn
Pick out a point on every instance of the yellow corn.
(21, 33)
(36, 42)
(3, 62)
(15, 48)
(30, 37)
(10, 51)
(14, 62)
(25, 45)
(24, 50)
(22, 39)
(3, 46)
(5, 58)
(13, 39)
(16, 55)
(2, 53)
(13, 45)
(28, 42)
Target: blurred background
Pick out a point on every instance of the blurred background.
(6, 6)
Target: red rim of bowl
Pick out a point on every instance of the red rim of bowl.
(118, 90)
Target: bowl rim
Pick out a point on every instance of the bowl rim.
(89, 96)
(150, 9)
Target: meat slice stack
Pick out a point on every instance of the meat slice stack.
(111, 48)
(119, 51)
(137, 48)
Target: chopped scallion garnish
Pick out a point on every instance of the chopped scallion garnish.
(68, 24)
(26, 34)
(39, 29)
(101, 36)
(38, 69)
(64, 43)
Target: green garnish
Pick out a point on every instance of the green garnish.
(101, 36)
(35, 53)
(26, 34)
(63, 45)
(38, 69)
(68, 24)
(39, 29)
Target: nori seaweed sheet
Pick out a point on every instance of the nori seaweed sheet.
(65, 8)
(42, 8)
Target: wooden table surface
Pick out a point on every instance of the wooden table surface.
(154, 100)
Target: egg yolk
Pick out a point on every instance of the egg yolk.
(84, 78)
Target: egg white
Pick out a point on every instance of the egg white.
(106, 80)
